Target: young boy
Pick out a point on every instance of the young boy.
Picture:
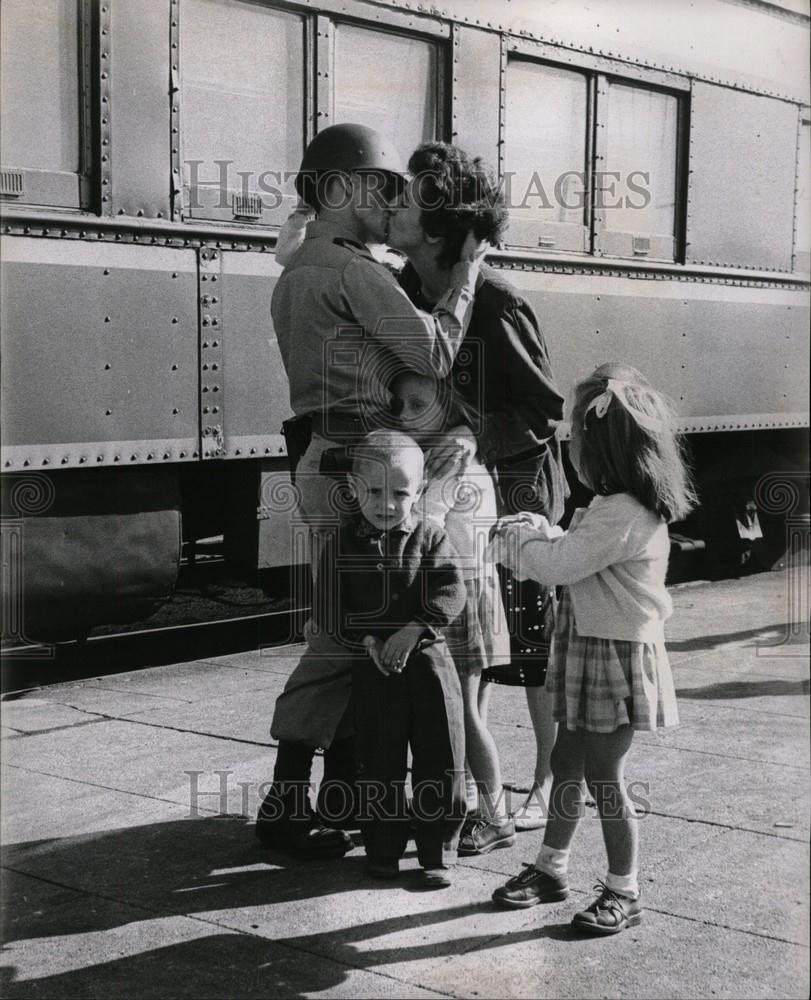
(388, 583)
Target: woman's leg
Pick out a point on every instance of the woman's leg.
(481, 752)
(605, 758)
(539, 703)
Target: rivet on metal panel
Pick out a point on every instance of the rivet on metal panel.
(174, 319)
(175, 410)
(107, 413)
(182, 454)
(107, 366)
(215, 409)
(82, 460)
(215, 343)
(174, 368)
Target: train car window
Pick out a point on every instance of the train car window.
(242, 109)
(40, 73)
(545, 156)
(388, 82)
(802, 231)
(636, 182)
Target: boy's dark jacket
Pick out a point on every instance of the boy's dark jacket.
(372, 583)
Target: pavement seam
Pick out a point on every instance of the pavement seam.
(143, 907)
(59, 729)
(673, 746)
(103, 717)
(726, 756)
(111, 788)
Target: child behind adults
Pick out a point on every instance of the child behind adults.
(463, 500)
(609, 674)
(388, 586)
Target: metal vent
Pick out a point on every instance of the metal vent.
(641, 245)
(247, 206)
(11, 183)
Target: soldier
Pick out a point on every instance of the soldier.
(344, 327)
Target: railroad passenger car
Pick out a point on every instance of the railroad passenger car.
(657, 162)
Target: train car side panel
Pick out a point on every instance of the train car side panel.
(706, 345)
(99, 354)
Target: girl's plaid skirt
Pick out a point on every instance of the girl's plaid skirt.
(602, 684)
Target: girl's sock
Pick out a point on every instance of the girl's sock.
(553, 861)
(625, 885)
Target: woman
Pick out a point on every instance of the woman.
(503, 376)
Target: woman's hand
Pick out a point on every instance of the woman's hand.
(454, 455)
(473, 249)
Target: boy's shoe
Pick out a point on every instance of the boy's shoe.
(481, 837)
(610, 913)
(383, 868)
(530, 887)
(435, 878)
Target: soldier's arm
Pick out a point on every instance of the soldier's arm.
(426, 342)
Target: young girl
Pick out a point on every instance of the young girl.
(609, 674)
(463, 501)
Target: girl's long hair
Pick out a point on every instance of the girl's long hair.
(619, 455)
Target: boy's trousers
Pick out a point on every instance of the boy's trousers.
(422, 707)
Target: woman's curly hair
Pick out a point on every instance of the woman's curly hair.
(457, 194)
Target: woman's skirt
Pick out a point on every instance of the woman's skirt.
(602, 684)
(529, 609)
(478, 639)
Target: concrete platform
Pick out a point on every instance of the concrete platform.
(130, 869)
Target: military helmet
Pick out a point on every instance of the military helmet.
(346, 148)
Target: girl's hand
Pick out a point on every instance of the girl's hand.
(398, 647)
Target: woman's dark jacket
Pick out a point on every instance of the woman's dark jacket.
(503, 374)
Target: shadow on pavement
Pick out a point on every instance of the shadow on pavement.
(744, 689)
(770, 636)
(94, 907)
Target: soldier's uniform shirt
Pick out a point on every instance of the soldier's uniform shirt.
(345, 326)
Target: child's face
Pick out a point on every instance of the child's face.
(386, 491)
(416, 404)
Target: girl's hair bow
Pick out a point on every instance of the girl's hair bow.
(615, 389)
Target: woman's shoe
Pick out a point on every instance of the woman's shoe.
(482, 837)
(530, 887)
(610, 913)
